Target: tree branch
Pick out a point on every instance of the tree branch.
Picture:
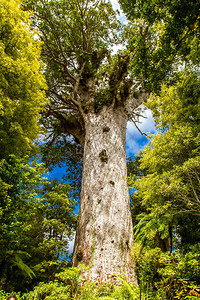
(135, 123)
(132, 102)
(70, 123)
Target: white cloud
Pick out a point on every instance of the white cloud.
(135, 141)
(71, 244)
(147, 124)
(122, 18)
(115, 4)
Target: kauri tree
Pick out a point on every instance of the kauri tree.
(92, 97)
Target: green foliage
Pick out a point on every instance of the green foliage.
(36, 224)
(166, 195)
(102, 98)
(184, 95)
(160, 32)
(165, 275)
(179, 273)
(69, 285)
(148, 64)
(147, 263)
(4, 295)
(57, 229)
(65, 286)
(21, 81)
(50, 291)
(62, 153)
(169, 191)
(112, 82)
(73, 36)
(17, 199)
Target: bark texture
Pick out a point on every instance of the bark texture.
(104, 234)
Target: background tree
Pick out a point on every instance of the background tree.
(29, 252)
(18, 207)
(170, 190)
(66, 154)
(35, 230)
(166, 194)
(57, 227)
(164, 33)
(22, 84)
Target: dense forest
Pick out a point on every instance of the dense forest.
(72, 76)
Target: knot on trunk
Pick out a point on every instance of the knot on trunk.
(106, 129)
(79, 254)
(103, 156)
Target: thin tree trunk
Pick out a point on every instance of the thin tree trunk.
(104, 234)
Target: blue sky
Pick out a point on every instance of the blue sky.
(135, 141)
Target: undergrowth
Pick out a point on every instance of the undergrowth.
(161, 276)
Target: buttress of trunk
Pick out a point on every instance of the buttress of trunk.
(104, 234)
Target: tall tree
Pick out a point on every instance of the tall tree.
(92, 97)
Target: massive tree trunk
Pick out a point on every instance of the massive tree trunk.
(104, 234)
(83, 74)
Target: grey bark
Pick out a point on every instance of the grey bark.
(104, 234)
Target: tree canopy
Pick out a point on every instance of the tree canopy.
(162, 34)
(22, 84)
(83, 74)
(169, 191)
